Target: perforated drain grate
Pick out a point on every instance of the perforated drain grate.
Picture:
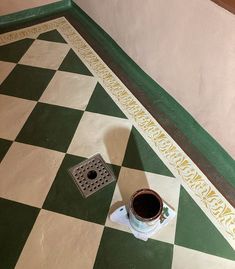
(91, 175)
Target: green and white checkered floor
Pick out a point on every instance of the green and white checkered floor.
(53, 115)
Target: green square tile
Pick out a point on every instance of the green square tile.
(26, 82)
(4, 146)
(101, 102)
(194, 230)
(14, 51)
(139, 155)
(16, 222)
(50, 126)
(65, 198)
(53, 36)
(122, 250)
(72, 63)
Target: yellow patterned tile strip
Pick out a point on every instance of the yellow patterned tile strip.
(210, 200)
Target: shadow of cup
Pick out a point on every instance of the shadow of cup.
(125, 185)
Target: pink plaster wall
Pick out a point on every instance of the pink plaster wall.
(11, 6)
(188, 47)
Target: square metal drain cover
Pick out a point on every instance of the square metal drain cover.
(91, 175)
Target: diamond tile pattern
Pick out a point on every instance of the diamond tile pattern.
(6, 68)
(203, 236)
(53, 35)
(16, 222)
(69, 90)
(101, 102)
(31, 82)
(101, 133)
(50, 126)
(13, 114)
(121, 250)
(183, 257)
(34, 171)
(53, 115)
(14, 51)
(4, 146)
(139, 155)
(45, 54)
(62, 244)
(73, 64)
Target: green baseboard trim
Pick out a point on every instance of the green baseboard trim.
(33, 13)
(198, 136)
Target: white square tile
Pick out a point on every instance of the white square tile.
(100, 133)
(13, 114)
(27, 173)
(131, 180)
(69, 90)
(45, 54)
(185, 258)
(6, 69)
(61, 242)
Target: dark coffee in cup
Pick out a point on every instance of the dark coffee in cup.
(145, 210)
(146, 205)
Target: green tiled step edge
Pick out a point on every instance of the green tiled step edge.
(214, 153)
(34, 13)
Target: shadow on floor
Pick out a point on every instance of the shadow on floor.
(126, 186)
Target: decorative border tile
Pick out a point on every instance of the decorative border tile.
(32, 31)
(210, 200)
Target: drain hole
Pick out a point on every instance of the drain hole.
(92, 174)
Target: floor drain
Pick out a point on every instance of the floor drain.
(91, 175)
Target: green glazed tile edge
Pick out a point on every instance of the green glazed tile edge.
(198, 136)
(33, 13)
